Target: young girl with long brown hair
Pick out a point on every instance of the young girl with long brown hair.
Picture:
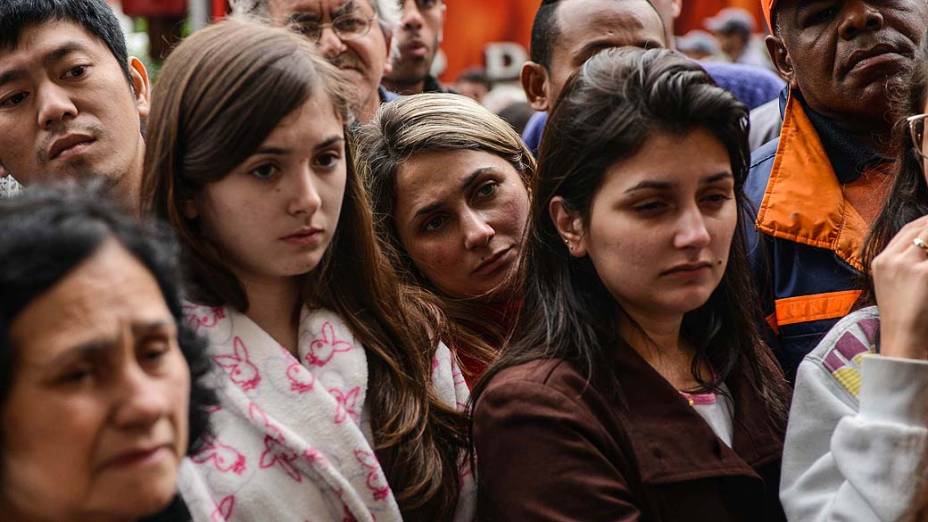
(335, 404)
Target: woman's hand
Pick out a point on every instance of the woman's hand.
(900, 276)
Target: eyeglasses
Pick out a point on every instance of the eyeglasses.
(917, 132)
(346, 27)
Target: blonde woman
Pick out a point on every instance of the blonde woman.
(448, 183)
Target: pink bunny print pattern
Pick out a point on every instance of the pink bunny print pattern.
(347, 404)
(208, 318)
(224, 509)
(276, 452)
(221, 456)
(301, 381)
(240, 369)
(375, 481)
(321, 351)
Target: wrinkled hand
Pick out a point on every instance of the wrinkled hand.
(900, 276)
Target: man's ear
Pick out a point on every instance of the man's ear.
(676, 8)
(569, 225)
(141, 86)
(781, 60)
(535, 84)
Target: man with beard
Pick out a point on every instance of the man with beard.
(820, 185)
(418, 36)
(71, 99)
(354, 35)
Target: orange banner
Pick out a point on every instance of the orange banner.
(695, 12)
(470, 25)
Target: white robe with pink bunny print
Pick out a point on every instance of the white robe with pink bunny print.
(291, 440)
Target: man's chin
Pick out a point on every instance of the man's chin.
(79, 172)
(402, 79)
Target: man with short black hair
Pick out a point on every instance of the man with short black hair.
(821, 184)
(72, 102)
(354, 35)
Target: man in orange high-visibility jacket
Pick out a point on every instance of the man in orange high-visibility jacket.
(819, 186)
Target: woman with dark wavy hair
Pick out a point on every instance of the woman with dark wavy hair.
(101, 391)
(857, 443)
(338, 402)
(636, 385)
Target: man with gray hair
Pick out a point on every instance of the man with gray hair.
(352, 34)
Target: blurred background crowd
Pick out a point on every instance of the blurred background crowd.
(483, 45)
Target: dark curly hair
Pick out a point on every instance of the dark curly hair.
(46, 233)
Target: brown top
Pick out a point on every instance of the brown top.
(550, 447)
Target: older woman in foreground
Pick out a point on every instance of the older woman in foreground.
(99, 376)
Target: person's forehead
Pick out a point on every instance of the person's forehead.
(319, 7)
(418, 187)
(579, 21)
(792, 7)
(109, 288)
(37, 41)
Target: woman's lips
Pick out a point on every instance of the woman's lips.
(689, 270)
(495, 262)
(140, 457)
(304, 238)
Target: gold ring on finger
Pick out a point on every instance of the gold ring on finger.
(920, 243)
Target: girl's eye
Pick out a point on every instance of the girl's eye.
(265, 171)
(328, 160)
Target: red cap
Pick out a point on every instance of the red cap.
(767, 7)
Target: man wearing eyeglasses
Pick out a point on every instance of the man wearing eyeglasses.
(418, 36)
(354, 35)
(819, 187)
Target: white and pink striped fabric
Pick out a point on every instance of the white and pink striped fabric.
(292, 440)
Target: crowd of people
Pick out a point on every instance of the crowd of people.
(297, 278)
